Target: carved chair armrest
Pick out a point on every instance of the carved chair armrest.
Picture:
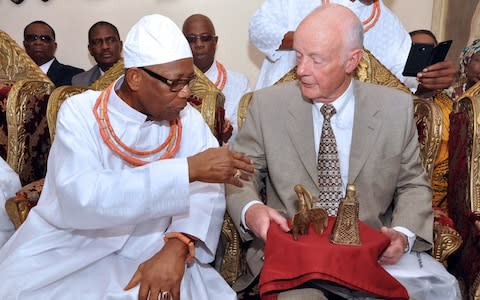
(233, 263)
(446, 239)
(19, 206)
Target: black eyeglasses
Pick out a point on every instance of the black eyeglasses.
(43, 37)
(192, 38)
(175, 85)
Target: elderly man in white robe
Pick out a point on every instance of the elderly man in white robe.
(9, 185)
(273, 25)
(131, 207)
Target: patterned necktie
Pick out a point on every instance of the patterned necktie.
(329, 177)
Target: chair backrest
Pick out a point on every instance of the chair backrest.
(110, 76)
(428, 117)
(28, 136)
(15, 65)
(209, 100)
(56, 99)
(464, 189)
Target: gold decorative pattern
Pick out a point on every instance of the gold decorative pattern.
(371, 70)
(429, 124)
(211, 96)
(471, 106)
(233, 257)
(243, 108)
(475, 289)
(18, 112)
(346, 229)
(446, 240)
(55, 101)
(15, 64)
(117, 70)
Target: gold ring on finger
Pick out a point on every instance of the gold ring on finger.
(165, 295)
(237, 174)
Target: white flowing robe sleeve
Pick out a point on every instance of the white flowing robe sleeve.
(9, 185)
(268, 26)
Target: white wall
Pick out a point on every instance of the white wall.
(71, 20)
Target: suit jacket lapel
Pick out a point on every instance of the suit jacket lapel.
(300, 130)
(366, 127)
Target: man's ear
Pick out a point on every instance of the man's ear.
(133, 77)
(353, 60)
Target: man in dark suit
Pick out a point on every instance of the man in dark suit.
(39, 43)
(378, 152)
(105, 46)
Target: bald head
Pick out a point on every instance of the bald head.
(335, 21)
(328, 46)
(200, 33)
(198, 19)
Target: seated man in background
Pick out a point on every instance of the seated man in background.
(9, 185)
(327, 130)
(132, 207)
(105, 45)
(200, 33)
(40, 45)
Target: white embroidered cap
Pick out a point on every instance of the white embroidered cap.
(153, 40)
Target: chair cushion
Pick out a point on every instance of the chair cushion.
(5, 88)
(19, 206)
(313, 256)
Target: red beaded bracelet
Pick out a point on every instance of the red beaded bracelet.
(185, 239)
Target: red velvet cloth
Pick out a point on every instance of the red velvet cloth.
(290, 263)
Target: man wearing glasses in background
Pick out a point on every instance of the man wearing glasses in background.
(105, 46)
(40, 45)
(200, 33)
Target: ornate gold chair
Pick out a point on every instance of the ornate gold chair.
(15, 65)
(464, 188)
(429, 125)
(28, 136)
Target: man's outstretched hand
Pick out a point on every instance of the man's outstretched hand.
(220, 165)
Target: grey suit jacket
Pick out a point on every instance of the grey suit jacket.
(385, 165)
(85, 79)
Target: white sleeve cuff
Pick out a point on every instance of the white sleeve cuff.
(410, 236)
(244, 210)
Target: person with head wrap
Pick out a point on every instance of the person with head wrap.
(131, 207)
(469, 70)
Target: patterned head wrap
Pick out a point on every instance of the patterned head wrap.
(467, 54)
